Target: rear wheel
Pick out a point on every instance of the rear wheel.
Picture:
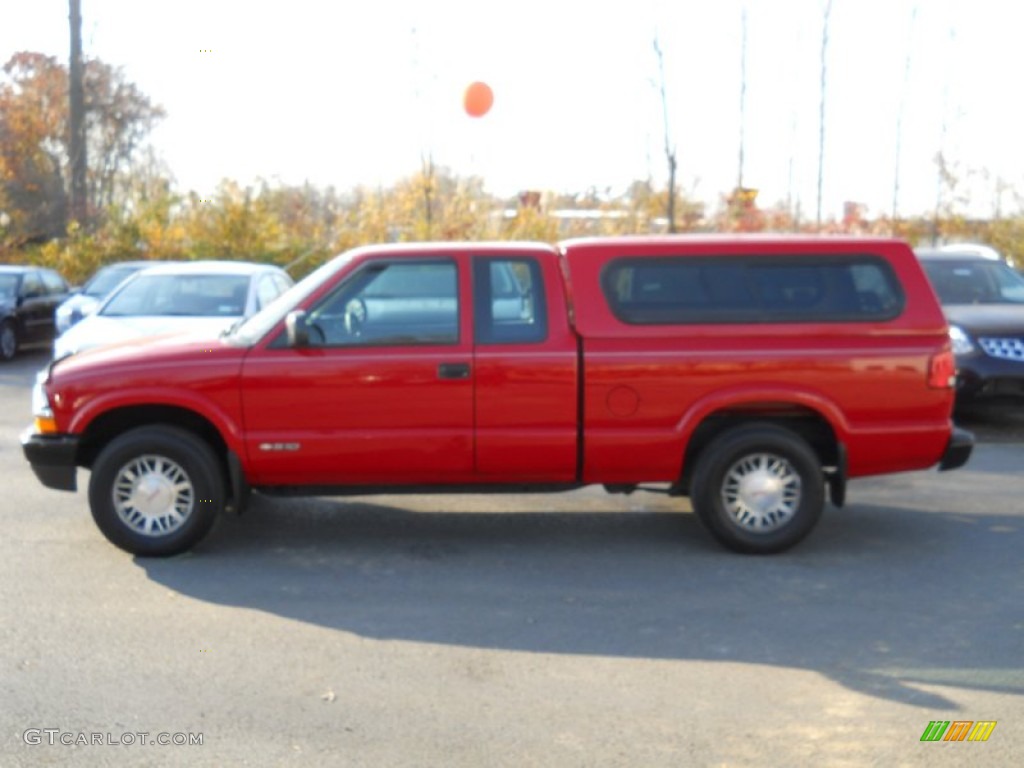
(156, 491)
(8, 340)
(758, 489)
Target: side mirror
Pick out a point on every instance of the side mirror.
(295, 327)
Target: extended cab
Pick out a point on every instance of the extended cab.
(753, 375)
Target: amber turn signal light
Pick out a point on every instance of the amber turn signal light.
(45, 426)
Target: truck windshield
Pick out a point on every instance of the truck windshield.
(259, 325)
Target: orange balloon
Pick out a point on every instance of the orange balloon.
(478, 99)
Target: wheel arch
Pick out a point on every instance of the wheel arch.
(802, 419)
(114, 422)
(111, 424)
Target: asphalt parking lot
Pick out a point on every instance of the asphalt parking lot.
(576, 629)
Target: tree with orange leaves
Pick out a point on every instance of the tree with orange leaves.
(34, 140)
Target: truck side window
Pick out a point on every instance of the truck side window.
(509, 301)
(391, 303)
(763, 289)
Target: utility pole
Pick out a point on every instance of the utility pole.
(79, 205)
(821, 106)
(899, 121)
(743, 92)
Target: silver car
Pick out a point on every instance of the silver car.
(196, 296)
(88, 298)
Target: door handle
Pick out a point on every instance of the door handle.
(453, 371)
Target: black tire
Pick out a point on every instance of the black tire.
(9, 341)
(185, 490)
(758, 489)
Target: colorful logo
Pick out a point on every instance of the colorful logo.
(958, 730)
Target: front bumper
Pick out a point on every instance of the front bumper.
(980, 377)
(52, 458)
(958, 449)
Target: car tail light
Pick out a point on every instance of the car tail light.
(942, 370)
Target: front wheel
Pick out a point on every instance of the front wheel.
(156, 491)
(8, 340)
(758, 489)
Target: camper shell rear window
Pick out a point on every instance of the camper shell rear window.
(751, 289)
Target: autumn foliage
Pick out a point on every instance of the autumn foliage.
(135, 212)
(34, 143)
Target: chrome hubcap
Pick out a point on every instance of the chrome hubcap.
(761, 492)
(153, 495)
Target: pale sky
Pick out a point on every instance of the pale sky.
(349, 93)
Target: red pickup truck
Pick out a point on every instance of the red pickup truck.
(754, 376)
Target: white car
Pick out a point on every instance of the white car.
(194, 296)
(88, 298)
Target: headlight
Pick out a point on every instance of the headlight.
(62, 320)
(962, 344)
(42, 412)
(64, 345)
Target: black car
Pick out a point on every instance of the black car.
(28, 298)
(983, 299)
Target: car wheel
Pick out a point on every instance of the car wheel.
(8, 340)
(758, 489)
(156, 491)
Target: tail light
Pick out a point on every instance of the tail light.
(942, 370)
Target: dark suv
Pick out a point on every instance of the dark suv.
(983, 299)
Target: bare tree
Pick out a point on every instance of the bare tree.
(428, 181)
(899, 117)
(821, 105)
(427, 171)
(670, 150)
(945, 180)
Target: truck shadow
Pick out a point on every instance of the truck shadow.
(879, 599)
